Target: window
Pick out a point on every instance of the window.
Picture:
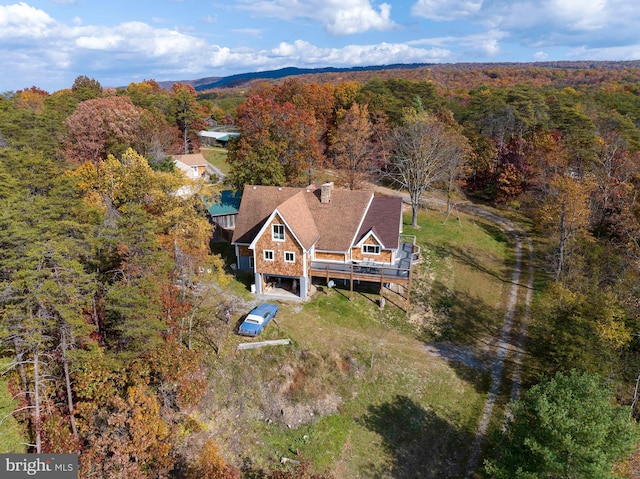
(278, 233)
(268, 255)
(370, 249)
(289, 257)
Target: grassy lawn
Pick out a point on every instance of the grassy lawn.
(360, 391)
(217, 157)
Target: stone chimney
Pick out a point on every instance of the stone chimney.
(325, 192)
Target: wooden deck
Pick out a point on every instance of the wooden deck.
(384, 274)
(361, 272)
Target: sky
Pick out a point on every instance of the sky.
(48, 43)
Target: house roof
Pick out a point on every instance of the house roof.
(332, 226)
(296, 214)
(219, 135)
(227, 204)
(387, 231)
(193, 159)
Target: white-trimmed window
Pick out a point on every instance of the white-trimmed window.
(370, 249)
(268, 255)
(289, 257)
(277, 233)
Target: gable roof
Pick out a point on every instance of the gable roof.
(298, 218)
(388, 208)
(331, 226)
(256, 206)
(192, 159)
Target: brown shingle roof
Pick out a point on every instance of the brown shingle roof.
(339, 220)
(257, 204)
(298, 217)
(193, 159)
(389, 209)
(335, 225)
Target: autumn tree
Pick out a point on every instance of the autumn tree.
(147, 94)
(276, 145)
(101, 127)
(188, 114)
(32, 99)
(565, 214)
(127, 437)
(211, 465)
(144, 220)
(314, 99)
(158, 140)
(353, 148)
(421, 153)
(614, 168)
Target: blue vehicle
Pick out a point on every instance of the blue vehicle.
(257, 319)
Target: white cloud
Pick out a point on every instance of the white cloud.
(252, 32)
(446, 9)
(339, 17)
(483, 45)
(23, 21)
(540, 56)
(543, 23)
(210, 19)
(579, 14)
(303, 53)
(627, 52)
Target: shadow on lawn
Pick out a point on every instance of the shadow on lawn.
(465, 335)
(421, 444)
(466, 258)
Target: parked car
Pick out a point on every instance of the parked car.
(257, 319)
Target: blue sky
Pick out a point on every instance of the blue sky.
(48, 43)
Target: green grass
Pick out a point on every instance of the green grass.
(357, 393)
(217, 157)
(466, 268)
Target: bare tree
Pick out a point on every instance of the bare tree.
(424, 151)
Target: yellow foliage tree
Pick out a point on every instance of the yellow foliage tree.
(211, 465)
(565, 214)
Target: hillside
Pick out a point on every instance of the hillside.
(448, 76)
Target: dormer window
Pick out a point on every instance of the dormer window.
(370, 249)
(277, 233)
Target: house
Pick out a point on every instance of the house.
(217, 138)
(223, 213)
(286, 236)
(194, 165)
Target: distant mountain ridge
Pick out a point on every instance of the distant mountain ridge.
(232, 81)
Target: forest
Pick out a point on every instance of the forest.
(100, 344)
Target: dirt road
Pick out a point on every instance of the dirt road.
(508, 343)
